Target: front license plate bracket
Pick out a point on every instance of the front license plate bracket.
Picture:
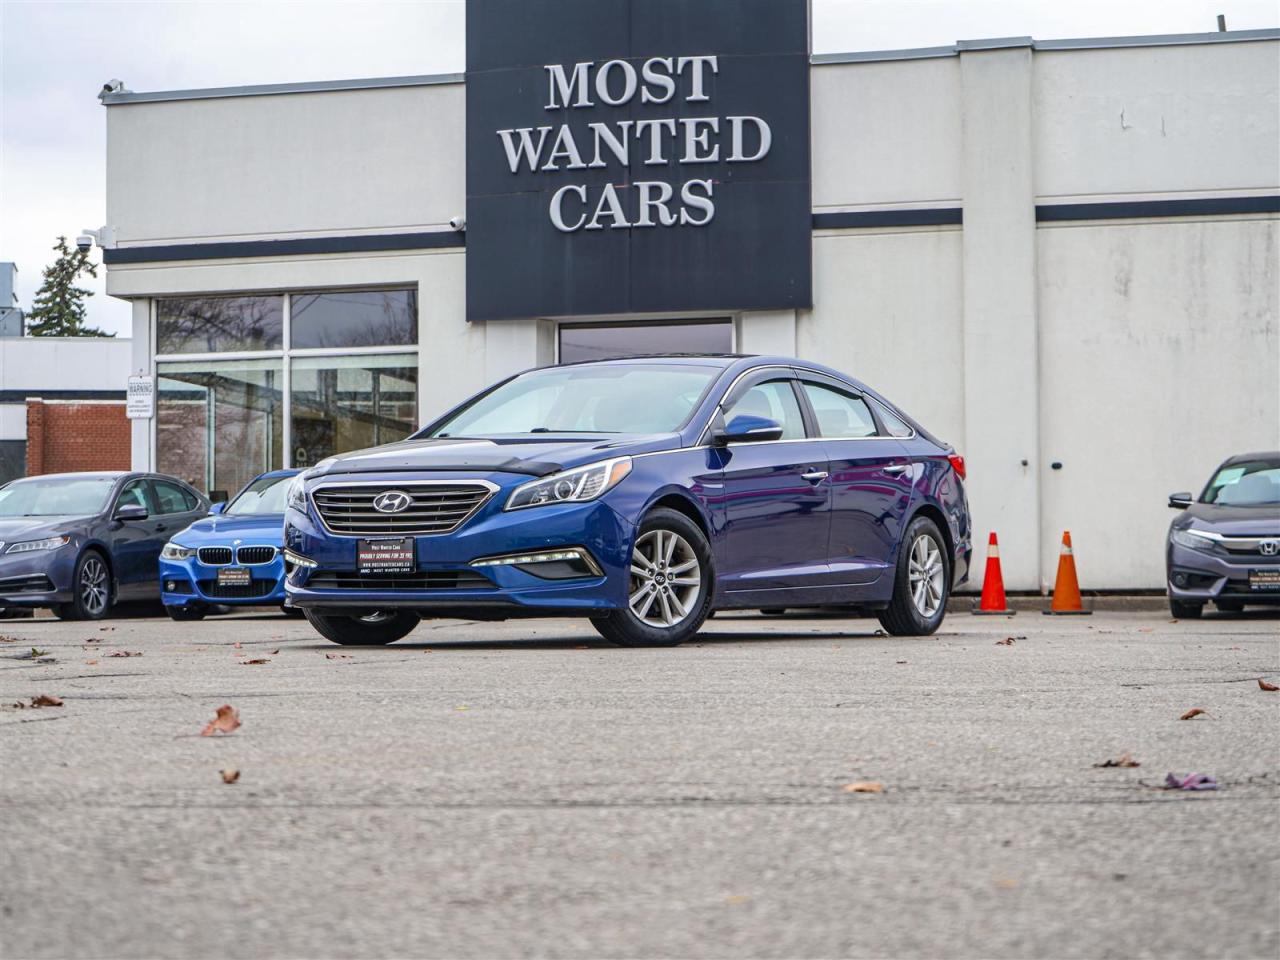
(386, 555)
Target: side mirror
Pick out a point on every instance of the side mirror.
(1180, 501)
(218, 507)
(130, 511)
(745, 428)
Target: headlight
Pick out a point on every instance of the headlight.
(1193, 540)
(175, 551)
(297, 495)
(48, 543)
(572, 486)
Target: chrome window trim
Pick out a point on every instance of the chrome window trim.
(704, 437)
(492, 487)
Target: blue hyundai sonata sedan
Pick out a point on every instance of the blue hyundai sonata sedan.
(643, 494)
(231, 557)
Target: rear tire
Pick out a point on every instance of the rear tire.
(186, 613)
(1185, 611)
(921, 583)
(670, 587)
(90, 589)
(377, 628)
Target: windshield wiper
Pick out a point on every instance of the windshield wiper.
(558, 430)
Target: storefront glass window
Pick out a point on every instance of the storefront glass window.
(604, 341)
(219, 324)
(218, 423)
(349, 402)
(356, 318)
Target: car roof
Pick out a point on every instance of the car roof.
(92, 474)
(1246, 457)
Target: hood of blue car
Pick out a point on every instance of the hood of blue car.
(219, 530)
(536, 455)
(13, 529)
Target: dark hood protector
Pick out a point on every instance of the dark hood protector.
(535, 456)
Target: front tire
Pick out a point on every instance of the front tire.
(921, 584)
(377, 628)
(1185, 611)
(670, 587)
(90, 589)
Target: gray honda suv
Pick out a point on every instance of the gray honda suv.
(1225, 545)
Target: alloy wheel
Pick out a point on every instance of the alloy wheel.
(927, 575)
(93, 586)
(665, 578)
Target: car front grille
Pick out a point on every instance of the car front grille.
(422, 580)
(250, 556)
(214, 556)
(434, 508)
(254, 588)
(35, 583)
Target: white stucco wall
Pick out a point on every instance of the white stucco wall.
(1137, 353)
(64, 363)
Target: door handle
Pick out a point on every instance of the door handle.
(815, 476)
(160, 527)
(897, 468)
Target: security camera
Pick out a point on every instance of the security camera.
(458, 223)
(84, 243)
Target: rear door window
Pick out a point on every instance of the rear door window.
(171, 498)
(840, 415)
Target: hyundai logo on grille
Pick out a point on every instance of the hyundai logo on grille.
(1269, 548)
(392, 501)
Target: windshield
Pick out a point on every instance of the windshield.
(1252, 483)
(264, 496)
(624, 398)
(55, 497)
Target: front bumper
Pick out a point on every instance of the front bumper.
(37, 579)
(1197, 577)
(187, 582)
(446, 583)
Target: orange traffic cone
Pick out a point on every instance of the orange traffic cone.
(993, 601)
(1066, 591)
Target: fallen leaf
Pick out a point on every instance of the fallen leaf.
(91, 663)
(125, 653)
(1192, 781)
(226, 721)
(1006, 884)
(1006, 642)
(274, 652)
(38, 653)
(1263, 685)
(46, 700)
(736, 898)
(337, 656)
(899, 661)
(237, 645)
(92, 639)
(1193, 712)
(864, 786)
(230, 776)
(8, 639)
(1124, 760)
(255, 660)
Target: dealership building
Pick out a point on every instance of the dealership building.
(1060, 256)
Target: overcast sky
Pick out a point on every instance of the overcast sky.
(55, 56)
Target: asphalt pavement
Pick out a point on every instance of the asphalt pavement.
(524, 789)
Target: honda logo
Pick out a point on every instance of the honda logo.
(1269, 548)
(392, 501)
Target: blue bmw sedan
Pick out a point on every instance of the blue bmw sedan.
(643, 494)
(231, 557)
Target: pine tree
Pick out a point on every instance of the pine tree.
(58, 307)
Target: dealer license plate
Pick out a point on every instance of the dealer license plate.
(1265, 579)
(386, 556)
(233, 577)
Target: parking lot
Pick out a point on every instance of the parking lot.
(524, 789)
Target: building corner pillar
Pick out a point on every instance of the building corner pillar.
(1001, 375)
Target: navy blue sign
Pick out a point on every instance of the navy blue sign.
(636, 156)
